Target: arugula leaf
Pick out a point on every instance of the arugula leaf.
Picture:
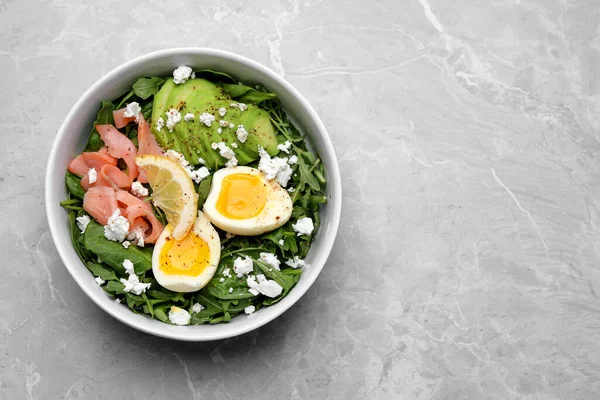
(113, 253)
(305, 173)
(146, 87)
(125, 98)
(105, 116)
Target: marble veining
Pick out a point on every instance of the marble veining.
(467, 262)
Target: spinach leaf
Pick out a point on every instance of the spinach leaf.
(105, 116)
(146, 87)
(113, 253)
(73, 186)
(213, 75)
(246, 94)
(99, 270)
(203, 189)
(81, 251)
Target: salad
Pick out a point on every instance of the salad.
(195, 199)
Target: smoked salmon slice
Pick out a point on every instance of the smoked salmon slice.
(147, 144)
(86, 160)
(140, 216)
(100, 203)
(119, 146)
(120, 119)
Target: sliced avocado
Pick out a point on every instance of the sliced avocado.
(194, 138)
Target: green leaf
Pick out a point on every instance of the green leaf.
(99, 270)
(305, 173)
(73, 185)
(113, 253)
(213, 75)
(220, 289)
(203, 189)
(160, 314)
(105, 116)
(125, 98)
(146, 87)
(246, 94)
(114, 287)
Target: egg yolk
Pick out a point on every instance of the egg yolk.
(188, 256)
(242, 196)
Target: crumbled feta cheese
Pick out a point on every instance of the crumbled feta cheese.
(227, 272)
(206, 118)
(241, 106)
(285, 147)
(118, 301)
(188, 117)
(224, 123)
(133, 285)
(222, 111)
(265, 286)
(126, 244)
(230, 290)
(173, 118)
(201, 161)
(100, 281)
(303, 226)
(220, 130)
(249, 310)
(233, 145)
(92, 175)
(231, 125)
(182, 74)
(179, 316)
(227, 153)
(291, 190)
(128, 265)
(160, 123)
(138, 236)
(281, 242)
(195, 175)
(293, 160)
(242, 266)
(133, 110)
(138, 189)
(241, 133)
(222, 280)
(175, 156)
(270, 259)
(197, 307)
(117, 227)
(274, 168)
(199, 174)
(296, 262)
(82, 222)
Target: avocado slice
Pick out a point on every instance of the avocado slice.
(193, 138)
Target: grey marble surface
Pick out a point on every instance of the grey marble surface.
(467, 264)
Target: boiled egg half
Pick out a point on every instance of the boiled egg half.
(188, 264)
(242, 201)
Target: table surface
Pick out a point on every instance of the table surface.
(467, 264)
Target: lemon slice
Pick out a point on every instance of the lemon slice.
(172, 191)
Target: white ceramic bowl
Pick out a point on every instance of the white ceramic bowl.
(71, 139)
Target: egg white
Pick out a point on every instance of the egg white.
(277, 210)
(186, 283)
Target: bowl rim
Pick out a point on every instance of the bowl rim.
(326, 242)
